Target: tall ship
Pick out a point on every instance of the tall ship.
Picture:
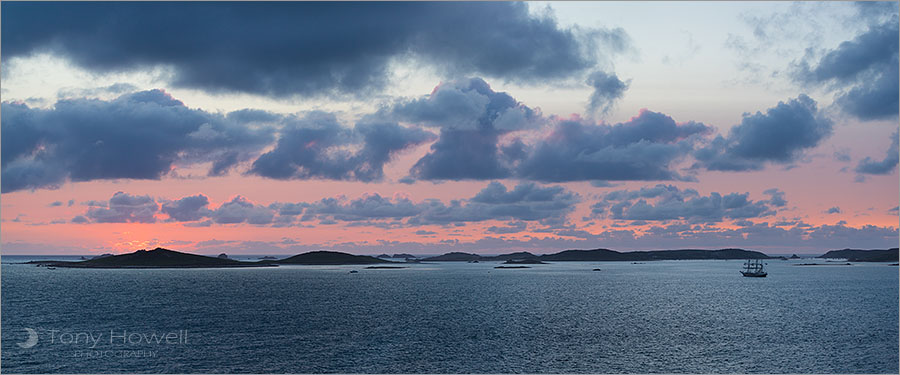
(753, 268)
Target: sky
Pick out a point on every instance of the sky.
(428, 127)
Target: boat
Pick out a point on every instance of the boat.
(51, 268)
(354, 271)
(753, 268)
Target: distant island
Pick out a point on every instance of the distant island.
(852, 255)
(329, 258)
(165, 258)
(398, 256)
(604, 255)
(156, 258)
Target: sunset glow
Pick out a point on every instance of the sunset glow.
(610, 136)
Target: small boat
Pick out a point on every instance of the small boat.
(753, 268)
(51, 268)
(596, 269)
(354, 271)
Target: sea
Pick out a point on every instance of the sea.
(697, 316)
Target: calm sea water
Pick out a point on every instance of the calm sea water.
(670, 316)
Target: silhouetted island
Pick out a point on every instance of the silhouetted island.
(607, 255)
(853, 255)
(511, 267)
(329, 258)
(156, 258)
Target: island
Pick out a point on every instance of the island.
(156, 258)
(853, 255)
(330, 258)
(596, 255)
(165, 258)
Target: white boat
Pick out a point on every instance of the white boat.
(753, 268)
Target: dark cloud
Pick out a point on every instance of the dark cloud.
(288, 209)
(884, 166)
(124, 208)
(140, 136)
(55, 204)
(512, 227)
(526, 202)
(833, 210)
(777, 197)
(667, 202)
(369, 207)
(318, 146)
(608, 88)
(641, 149)
(778, 136)
(191, 208)
(249, 116)
(472, 118)
(304, 48)
(240, 210)
(863, 71)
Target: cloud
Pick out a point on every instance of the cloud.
(863, 71)
(142, 135)
(368, 207)
(124, 208)
(55, 204)
(884, 166)
(640, 149)
(777, 197)
(875, 10)
(526, 202)
(471, 117)
(842, 156)
(667, 202)
(778, 136)
(191, 208)
(318, 146)
(608, 88)
(833, 210)
(240, 210)
(512, 227)
(307, 49)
